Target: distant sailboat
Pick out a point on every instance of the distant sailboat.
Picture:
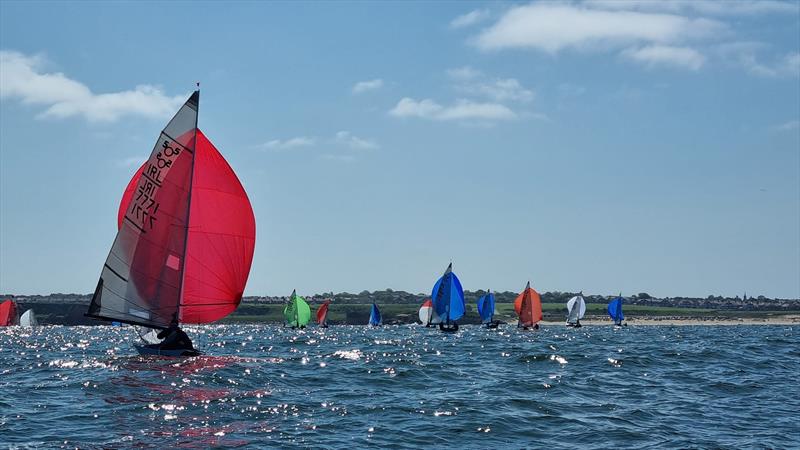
(28, 319)
(375, 319)
(185, 240)
(297, 313)
(576, 308)
(448, 300)
(427, 315)
(8, 313)
(615, 310)
(486, 310)
(528, 306)
(322, 314)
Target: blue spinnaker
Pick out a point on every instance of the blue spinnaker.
(448, 297)
(615, 310)
(375, 316)
(486, 307)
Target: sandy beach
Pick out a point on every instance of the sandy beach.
(686, 321)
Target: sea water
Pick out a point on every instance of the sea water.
(404, 387)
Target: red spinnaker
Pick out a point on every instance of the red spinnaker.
(322, 312)
(528, 306)
(8, 313)
(221, 237)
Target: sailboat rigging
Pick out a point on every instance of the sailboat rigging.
(185, 239)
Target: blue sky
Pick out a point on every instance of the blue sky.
(600, 146)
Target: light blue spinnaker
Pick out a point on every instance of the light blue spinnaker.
(486, 307)
(448, 297)
(615, 310)
(375, 316)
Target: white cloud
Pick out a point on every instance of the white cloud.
(787, 126)
(499, 90)
(23, 78)
(355, 142)
(664, 55)
(711, 7)
(463, 73)
(554, 27)
(295, 142)
(745, 55)
(473, 82)
(460, 110)
(364, 86)
(470, 18)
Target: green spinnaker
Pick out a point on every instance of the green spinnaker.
(297, 313)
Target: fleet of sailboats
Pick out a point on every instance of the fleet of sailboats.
(184, 247)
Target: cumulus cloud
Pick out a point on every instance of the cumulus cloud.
(473, 82)
(295, 142)
(470, 18)
(664, 55)
(365, 86)
(355, 142)
(460, 110)
(542, 26)
(25, 79)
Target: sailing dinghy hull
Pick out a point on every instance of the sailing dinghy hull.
(150, 351)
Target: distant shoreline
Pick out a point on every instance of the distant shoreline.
(691, 321)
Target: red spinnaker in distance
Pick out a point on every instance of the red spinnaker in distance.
(8, 313)
(528, 306)
(322, 312)
(221, 237)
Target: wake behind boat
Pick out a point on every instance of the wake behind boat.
(185, 240)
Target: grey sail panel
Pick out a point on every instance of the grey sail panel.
(141, 279)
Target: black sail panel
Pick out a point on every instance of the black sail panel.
(141, 279)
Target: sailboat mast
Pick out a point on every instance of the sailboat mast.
(188, 209)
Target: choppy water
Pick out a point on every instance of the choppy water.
(404, 387)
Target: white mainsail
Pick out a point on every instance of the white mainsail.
(576, 308)
(28, 319)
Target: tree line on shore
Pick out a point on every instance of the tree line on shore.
(390, 296)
